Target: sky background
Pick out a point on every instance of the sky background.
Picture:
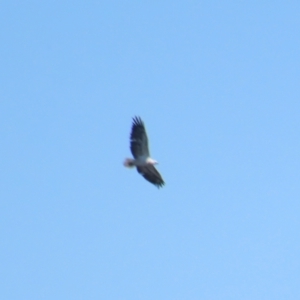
(217, 85)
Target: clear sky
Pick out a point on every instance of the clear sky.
(217, 84)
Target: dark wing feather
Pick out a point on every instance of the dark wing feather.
(138, 139)
(151, 174)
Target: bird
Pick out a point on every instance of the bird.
(140, 151)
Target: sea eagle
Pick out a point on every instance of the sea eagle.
(140, 151)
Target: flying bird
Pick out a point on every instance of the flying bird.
(140, 151)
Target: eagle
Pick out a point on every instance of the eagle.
(140, 151)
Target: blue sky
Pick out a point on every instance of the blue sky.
(217, 85)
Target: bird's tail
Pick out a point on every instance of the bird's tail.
(129, 163)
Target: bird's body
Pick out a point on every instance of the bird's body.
(140, 151)
(139, 162)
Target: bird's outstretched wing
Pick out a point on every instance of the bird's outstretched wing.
(139, 139)
(151, 174)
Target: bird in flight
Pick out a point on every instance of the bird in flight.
(140, 151)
